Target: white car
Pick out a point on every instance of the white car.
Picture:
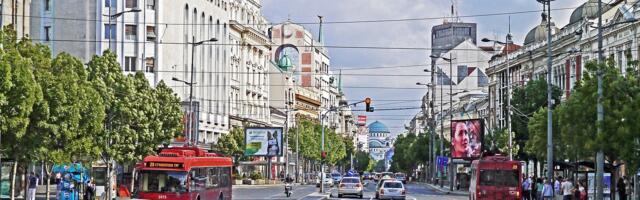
(350, 186)
(328, 181)
(391, 189)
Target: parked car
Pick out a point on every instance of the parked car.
(336, 177)
(391, 189)
(328, 181)
(350, 186)
(401, 177)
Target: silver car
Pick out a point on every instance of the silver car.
(391, 189)
(350, 186)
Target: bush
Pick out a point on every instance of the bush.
(256, 175)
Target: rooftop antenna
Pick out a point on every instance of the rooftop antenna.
(454, 11)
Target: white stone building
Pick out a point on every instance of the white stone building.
(156, 37)
(18, 14)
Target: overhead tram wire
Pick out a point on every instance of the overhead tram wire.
(307, 23)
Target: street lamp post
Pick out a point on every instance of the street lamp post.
(432, 150)
(322, 116)
(506, 43)
(450, 60)
(190, 126)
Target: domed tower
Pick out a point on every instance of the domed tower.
(285, 62)
(378, 140)
(539, 32)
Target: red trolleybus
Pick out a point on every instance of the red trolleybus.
(495, 177)
(184, 173)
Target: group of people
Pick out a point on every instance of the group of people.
(545, 189)
(34, 181)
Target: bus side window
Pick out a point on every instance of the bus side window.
(213, 178)
(199, 179)
(225, 176)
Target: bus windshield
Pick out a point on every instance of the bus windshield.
(503, 178)
(161, 181)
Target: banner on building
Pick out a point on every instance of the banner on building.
(190, 120)
(466, 138)
(362, 120)
(263, 141)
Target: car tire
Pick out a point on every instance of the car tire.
(339, 195)
(360, 196)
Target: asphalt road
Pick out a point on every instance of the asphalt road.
(303, 192)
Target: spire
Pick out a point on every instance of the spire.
(320, 30)
(340, 81)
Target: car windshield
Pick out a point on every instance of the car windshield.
(392, 185)
(505, 178)
(161, 181)
(350, 180)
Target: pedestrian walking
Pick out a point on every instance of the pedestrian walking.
(539, 186)
(556, 188)
(33, 185)
(567, 189)
(547, 190)
(582, 192)
(526, 189)
(622, 189)
(89, 193)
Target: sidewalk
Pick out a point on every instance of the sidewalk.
(445, 190)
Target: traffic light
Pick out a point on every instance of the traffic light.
(323, 155)
(367, 102)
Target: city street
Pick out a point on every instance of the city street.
(415, 191)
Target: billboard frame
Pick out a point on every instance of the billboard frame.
(480, 136)
(279, 140)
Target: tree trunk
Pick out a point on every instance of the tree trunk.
(25, 179)
(14, 168)
(47, 170)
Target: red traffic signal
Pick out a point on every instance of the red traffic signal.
(367, 102)
(323, 155)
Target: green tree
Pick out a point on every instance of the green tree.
(403, 158)
(19, 92)
(525, 101)
(232, 144)
(362, 161)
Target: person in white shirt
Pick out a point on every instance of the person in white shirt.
(567, 189)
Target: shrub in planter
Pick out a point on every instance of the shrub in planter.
(256, 175)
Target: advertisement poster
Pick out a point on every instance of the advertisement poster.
(466, 138)
(265, 141)
(592, 185)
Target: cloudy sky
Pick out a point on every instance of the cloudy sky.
(411, 33)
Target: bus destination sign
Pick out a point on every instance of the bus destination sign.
(163, 165)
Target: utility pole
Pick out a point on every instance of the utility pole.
(600, 110)
(549, 92)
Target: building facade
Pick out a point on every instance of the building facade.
(379, 140)
(16, 13)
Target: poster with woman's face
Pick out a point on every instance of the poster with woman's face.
(466, 138)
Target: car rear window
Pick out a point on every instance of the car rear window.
(350, 180)
(335, 175)
(399, 175)
(392, 185)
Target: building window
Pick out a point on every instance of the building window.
(149, 64)
(110, 3)
(131, 32)
(131, 4)
(151, 4)
(47, 33)
(47, 5)
(109, 31)
(129, 64)
(151, 33)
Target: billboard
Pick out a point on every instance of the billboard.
(466, 138)
(263, 141)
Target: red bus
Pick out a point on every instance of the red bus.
(184, 173)
(495, 177)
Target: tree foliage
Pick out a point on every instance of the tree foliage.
(525, 102)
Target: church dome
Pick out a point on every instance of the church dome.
(378, 127)
(375, 144)
(588, 9)
(285, 62)
(539, 33)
